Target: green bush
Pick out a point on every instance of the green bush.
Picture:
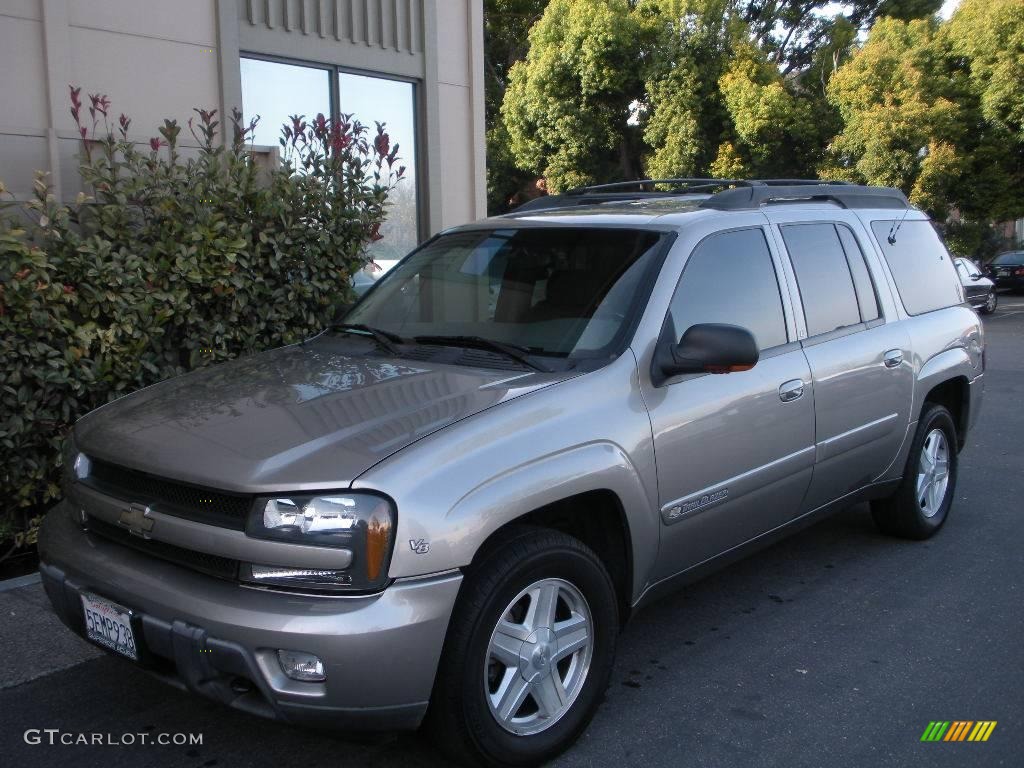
(175, 259)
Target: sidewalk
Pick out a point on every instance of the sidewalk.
(34, 642)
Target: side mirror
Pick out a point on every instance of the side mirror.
(706, 348)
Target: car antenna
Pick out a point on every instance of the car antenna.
(896, 227)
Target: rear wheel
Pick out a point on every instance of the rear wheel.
(529, 652)
(921, 503)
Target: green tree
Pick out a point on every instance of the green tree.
(614, 89)
(989, 35)
(795, 31)
(506, 27)
(904, 111)
(924, 107)
(681, 109)
(568, 102)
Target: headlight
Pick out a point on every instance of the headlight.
(76, 465)
(361, 524)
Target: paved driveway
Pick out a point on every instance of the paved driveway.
(833, 648)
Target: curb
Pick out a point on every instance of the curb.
(21, 581)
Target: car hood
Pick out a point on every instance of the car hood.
(303, 417)
(981, 284)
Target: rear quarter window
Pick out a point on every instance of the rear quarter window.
(920, 264)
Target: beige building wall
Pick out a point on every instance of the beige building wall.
(158, 59)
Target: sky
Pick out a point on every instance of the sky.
(948, 7)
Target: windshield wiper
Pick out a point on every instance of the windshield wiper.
(514, 351)
(386, 339)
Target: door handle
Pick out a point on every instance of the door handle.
(893, 358)
(791, 390)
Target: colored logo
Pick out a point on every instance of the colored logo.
(959, 730)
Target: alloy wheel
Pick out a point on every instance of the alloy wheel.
(538, 656)
(933, 472)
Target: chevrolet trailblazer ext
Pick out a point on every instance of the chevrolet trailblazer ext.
(446, 506)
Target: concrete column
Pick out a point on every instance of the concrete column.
(228, 69)
(56, 46)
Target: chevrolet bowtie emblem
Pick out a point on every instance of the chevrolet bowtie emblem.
(137, 520)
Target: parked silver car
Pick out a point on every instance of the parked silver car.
(978, 289)
(447, 506)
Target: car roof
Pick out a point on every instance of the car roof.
(663, 213)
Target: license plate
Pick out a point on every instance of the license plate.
(109, 625)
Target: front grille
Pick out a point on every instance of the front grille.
(214, 565)
(203, 505)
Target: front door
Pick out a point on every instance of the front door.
(734, 452)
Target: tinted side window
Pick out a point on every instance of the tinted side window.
(920, 265)
(730, 278)
(866, 297)
(823, 275)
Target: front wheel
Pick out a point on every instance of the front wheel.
(990, 304)
(921, 503)
(528, 654)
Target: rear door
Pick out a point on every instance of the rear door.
(857, 350)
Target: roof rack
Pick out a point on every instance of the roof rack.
(687, 184)
(727, 194)
(626, 191)
(787, 190)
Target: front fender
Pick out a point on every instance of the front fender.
(599, 466)
(456, 487)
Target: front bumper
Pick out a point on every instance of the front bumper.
(219, 639)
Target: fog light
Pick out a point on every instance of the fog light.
(302, 666)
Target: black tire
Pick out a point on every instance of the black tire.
(460, 719)
(903, 514)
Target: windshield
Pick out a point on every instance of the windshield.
(967, 268)
(1013, 257)
(560, 291)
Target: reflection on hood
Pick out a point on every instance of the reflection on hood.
(297, 416)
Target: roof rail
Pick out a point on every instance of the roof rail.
(687, 183)
(626, 191)
(843, 194)
(726, 194)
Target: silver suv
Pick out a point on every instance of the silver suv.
(446, 505)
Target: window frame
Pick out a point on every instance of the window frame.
(871, 278)
(781, 282)
(897, 295)
(418, 104)
(847, 330)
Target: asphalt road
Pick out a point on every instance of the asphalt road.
(833, 648)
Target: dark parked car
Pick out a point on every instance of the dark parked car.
(980, 291)
(1007, 270)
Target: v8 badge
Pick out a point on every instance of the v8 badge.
(419, 546)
